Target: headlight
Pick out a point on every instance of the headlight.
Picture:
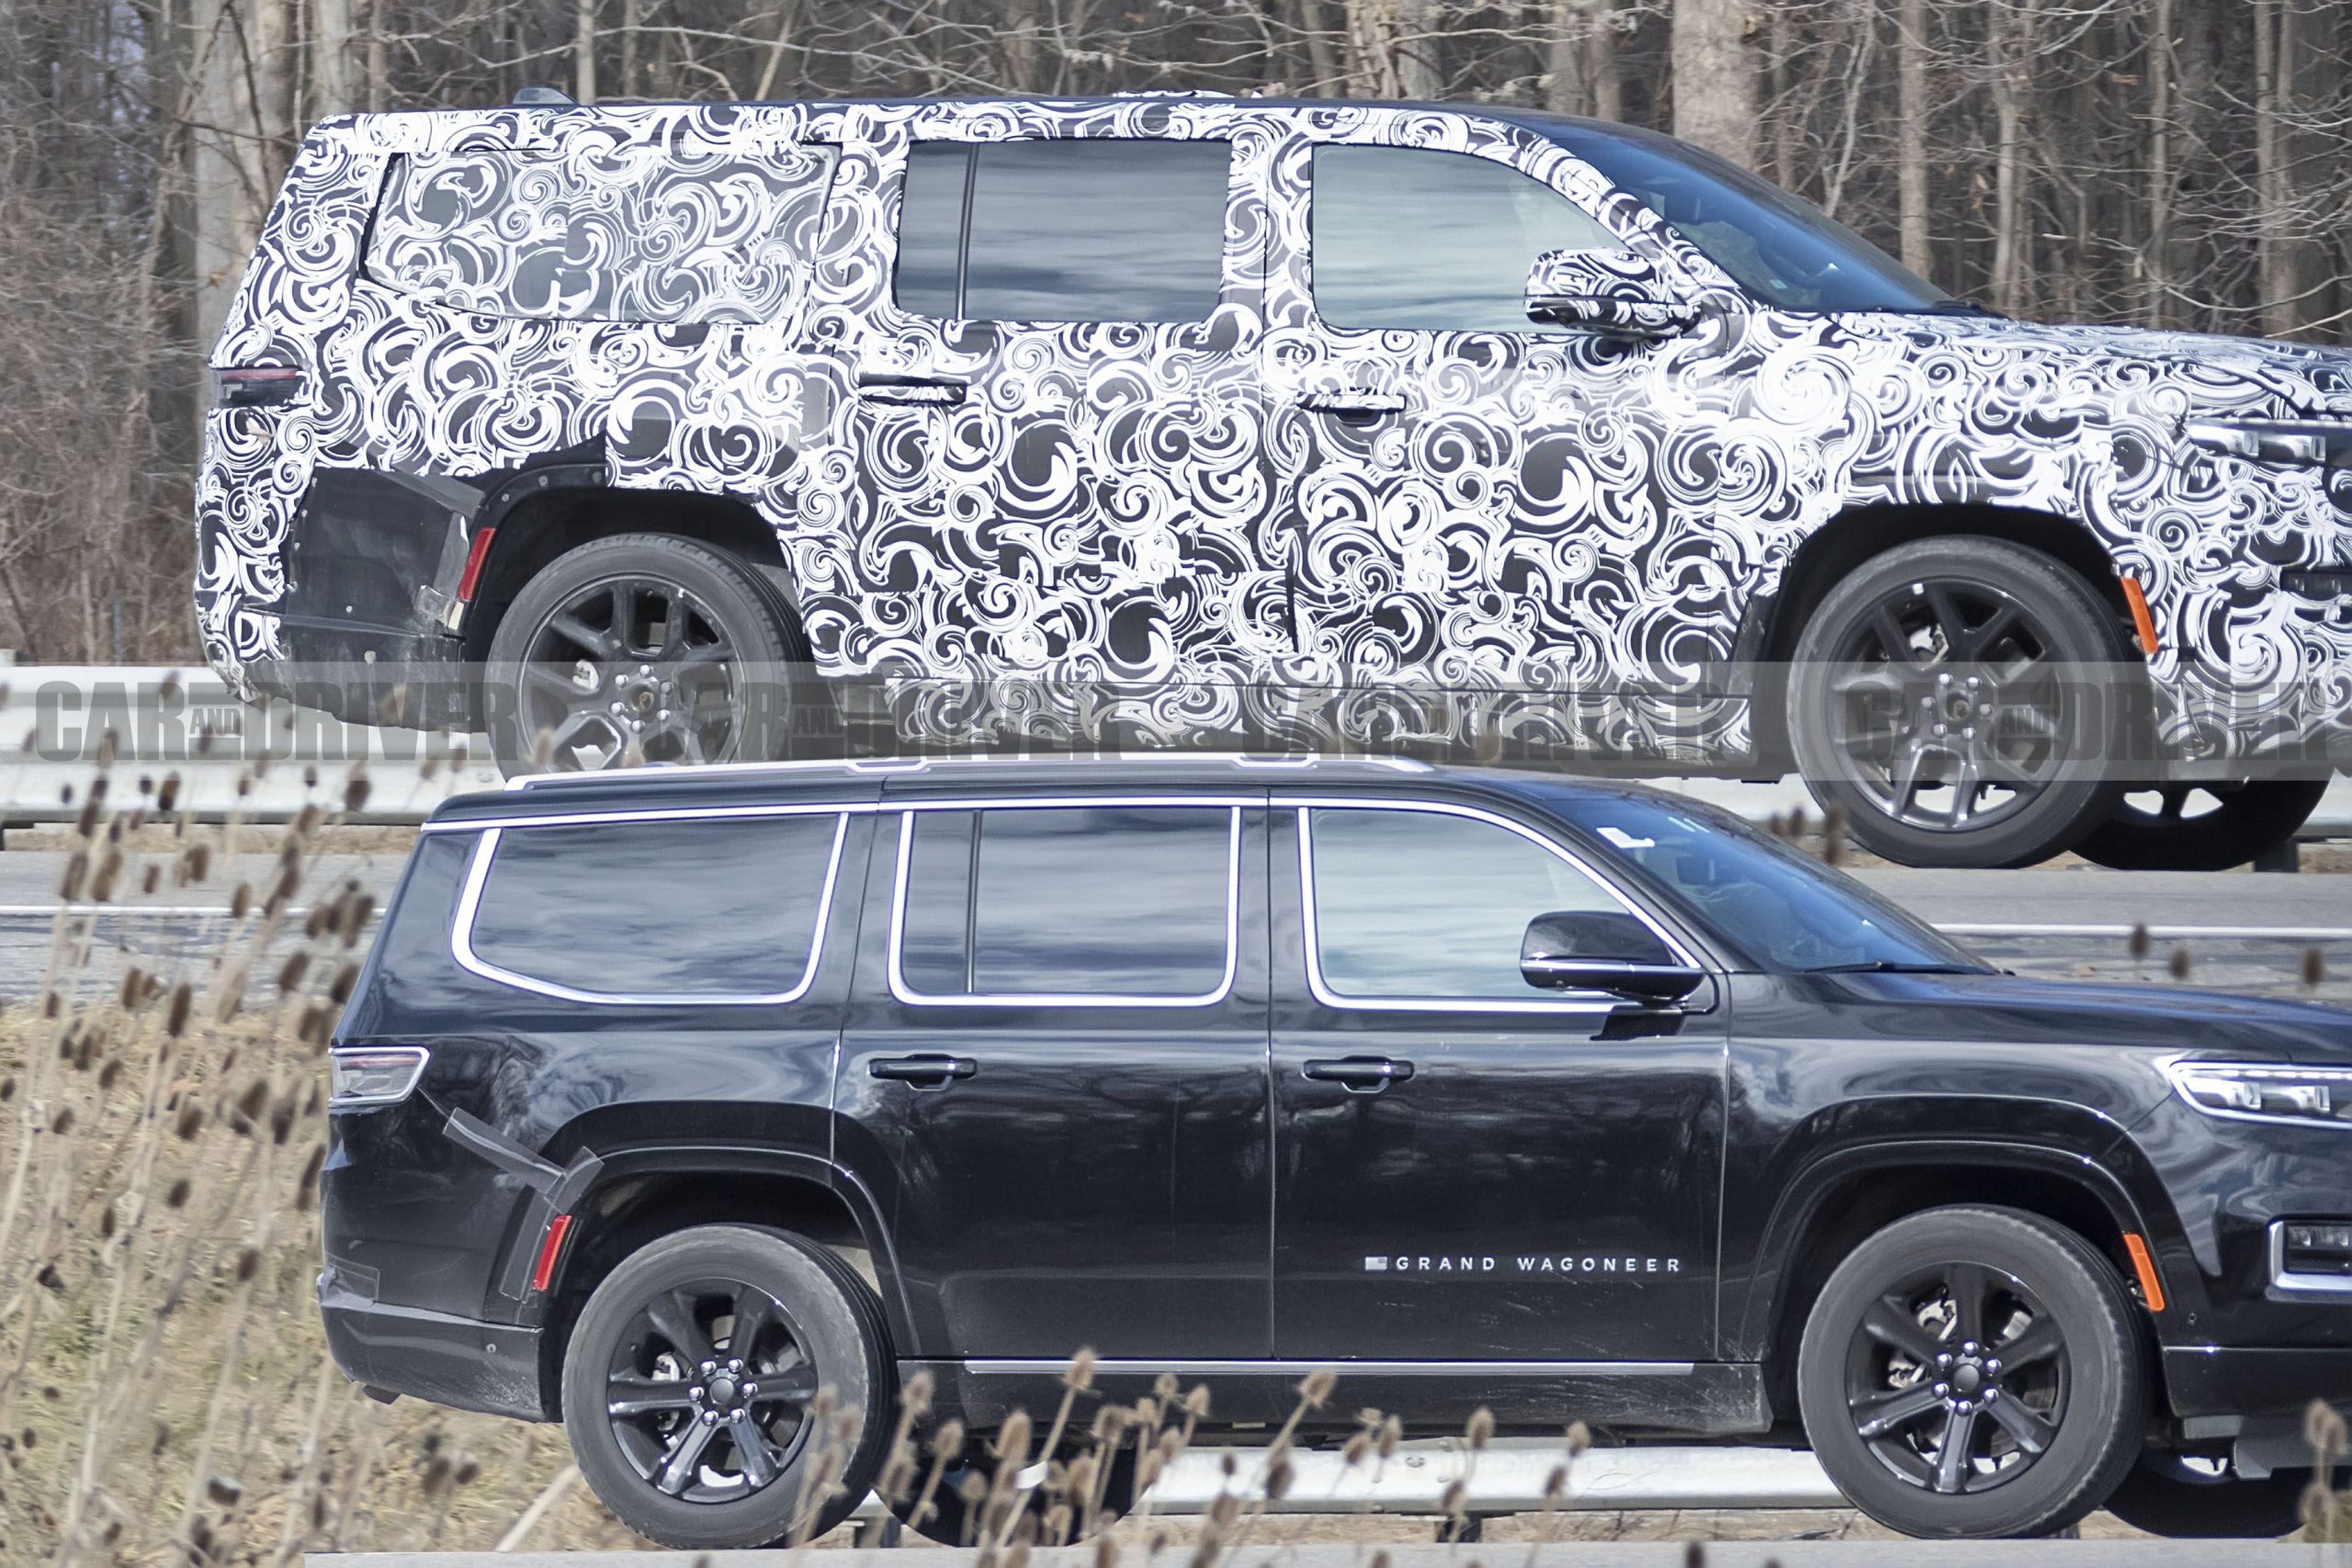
(373, 1074)
(2307, 1096)
(2307, 443)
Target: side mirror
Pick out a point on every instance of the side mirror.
(1603, 949)
(1613, 292)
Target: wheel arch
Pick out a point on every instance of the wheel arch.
(1854, 1193)
(1771, 624)
(547, 512)
(648, 1191)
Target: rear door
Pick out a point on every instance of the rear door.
(1056, 1070)
(1056, 410)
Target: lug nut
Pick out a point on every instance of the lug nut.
(1942, 1390)
(749, 1389)
(1943, 1357)
(694, 1393)
(1969, 1349)
(709, 1367)
(711, 1417)
(736, 1413)
(734, 1366)
(1992, 1366)
(1991, 1394)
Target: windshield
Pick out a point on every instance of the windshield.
(1779, 906)
(1783, 250)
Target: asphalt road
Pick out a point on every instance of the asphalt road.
(2239, 930)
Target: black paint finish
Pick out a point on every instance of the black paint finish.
(1170, 1184)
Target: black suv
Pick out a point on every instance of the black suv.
(656, 429)
(668, 1099)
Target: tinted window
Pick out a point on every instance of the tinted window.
(1415, 904)
(1781, 908)
(1781, 248)
(1095, 901)
(707, 908)
(931, 229)
(1078, 229)
(1440, 241)
(679, 231)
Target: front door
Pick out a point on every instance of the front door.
(1055, 1076)
(1062, 482)
(1477, 501)
(1468, 1170)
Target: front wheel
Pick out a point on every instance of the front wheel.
(1956, 700)
(2169, 1494)
(1974, 1372)
(2201, 827)
(692, 1389)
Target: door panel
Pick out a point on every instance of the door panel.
(1537, 1177)
(1058, 421)
(1059, 1054)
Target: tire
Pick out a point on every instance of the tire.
(1061, 1517)
(2166, 1495)
(2239, 822)
(1957, 1464)
(1925, 704)
(667, 1311)
(724, 679)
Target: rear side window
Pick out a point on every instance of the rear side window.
(712, 909)
(1076, 230)
(681, 232)
(1081, 906)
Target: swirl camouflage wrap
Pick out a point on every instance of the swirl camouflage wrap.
(1179, 526)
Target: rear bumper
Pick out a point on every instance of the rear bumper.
(462, 1362)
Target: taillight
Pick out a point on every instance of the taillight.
(361, 1076)
(476, 553)
(256, 386)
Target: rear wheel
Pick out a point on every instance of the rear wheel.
(1951, 698)
(2207, 1499)
(644, 647)
(1974, 1372)
(692, 1389)
(2201, 827)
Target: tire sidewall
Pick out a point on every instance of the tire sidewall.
(756, 621)
(2100, 1434)
(840, 1338)
(2258, 816)
(2066, 611)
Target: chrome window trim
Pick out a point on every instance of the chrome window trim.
(2310, 1284)
(1574, 1003)
(907, 996)
(461, 927)
(653, 814)
(1057, 1367)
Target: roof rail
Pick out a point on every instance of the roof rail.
(540, 96)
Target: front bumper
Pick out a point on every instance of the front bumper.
(462, 1362)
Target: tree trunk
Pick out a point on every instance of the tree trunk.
(2012, 52)
(1582, 59)
(1415, 40)
(2274, 43)
(1714, 80)
(1911, 133)
(2156, 264)
(331, 58)
(584, 52)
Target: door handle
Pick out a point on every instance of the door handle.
(912, 392)
(1352, 405)
(1359, 1075)
(923, 1072)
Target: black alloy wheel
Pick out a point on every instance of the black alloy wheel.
(1956, 1378)
(1974, 1372)
(713, 1374)
(708, 1391)
(644, 648)
(1955, 698)
(2207, 1499)
(2201, 827)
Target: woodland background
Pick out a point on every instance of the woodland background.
(2174, 162)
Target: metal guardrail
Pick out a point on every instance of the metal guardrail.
(269, 760)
